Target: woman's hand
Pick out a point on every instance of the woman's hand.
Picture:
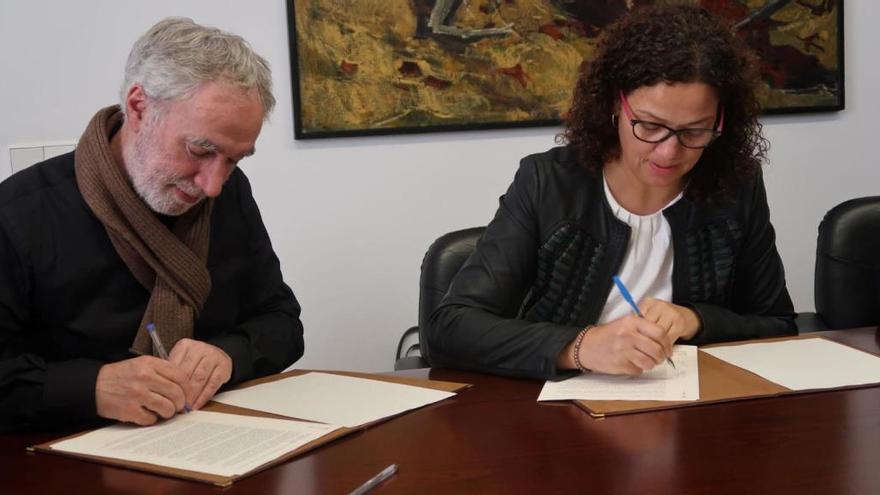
(677, 321)
(626, 346)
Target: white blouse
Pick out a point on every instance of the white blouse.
(647, 264)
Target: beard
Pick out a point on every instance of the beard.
(151, 177)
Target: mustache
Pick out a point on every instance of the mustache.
(189, 188)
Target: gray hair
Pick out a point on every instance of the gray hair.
(175, 56)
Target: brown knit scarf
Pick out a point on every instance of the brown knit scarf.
(168, 263)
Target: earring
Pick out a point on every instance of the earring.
(614, 119)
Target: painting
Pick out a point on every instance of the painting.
(366, 67)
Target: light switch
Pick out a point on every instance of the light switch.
(22, 158)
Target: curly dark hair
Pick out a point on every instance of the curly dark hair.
(670, 44)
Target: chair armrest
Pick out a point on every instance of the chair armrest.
(410, 363)
(400, 352)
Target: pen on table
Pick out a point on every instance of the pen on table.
(151, 329)
(375, 480)
(632, 304)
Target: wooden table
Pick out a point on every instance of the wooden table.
(495, 438)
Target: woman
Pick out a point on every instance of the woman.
(659, 183)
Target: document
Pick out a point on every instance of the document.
(663, 382)
(331, 398)
(803, 364)
(202, 441)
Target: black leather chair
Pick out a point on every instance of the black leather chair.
(441, 263)
(847, 279)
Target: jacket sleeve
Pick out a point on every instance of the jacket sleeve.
(35, 391)
(761, 306)
(269, 334)
(475, 326)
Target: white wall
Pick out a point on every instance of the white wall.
(351, 218)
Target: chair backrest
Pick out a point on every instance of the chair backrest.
(441, 263)
(847, 283)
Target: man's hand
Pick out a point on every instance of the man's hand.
(677, 321)
(629, 345)
(140, 390)
(205, 366)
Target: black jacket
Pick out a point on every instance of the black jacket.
(69, 304)
(542, 271)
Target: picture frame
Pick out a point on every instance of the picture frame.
(376, 67)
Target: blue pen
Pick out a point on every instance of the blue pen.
(632, 304)
(151, 329)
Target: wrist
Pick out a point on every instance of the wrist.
(694, 323)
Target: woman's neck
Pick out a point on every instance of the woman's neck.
(634, 195)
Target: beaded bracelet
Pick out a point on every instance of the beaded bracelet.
(576, 350)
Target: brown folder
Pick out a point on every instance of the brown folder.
(224, 481)
(720, 381)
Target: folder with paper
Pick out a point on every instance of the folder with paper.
(762, 368)
(225, 442)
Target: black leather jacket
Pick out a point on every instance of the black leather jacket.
(542, 271)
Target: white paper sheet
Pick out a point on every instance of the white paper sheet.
(803, 364)
(331, 398)
(664, 382)
(207, 442)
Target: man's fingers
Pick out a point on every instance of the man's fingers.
(202, 373)
(140, 390)
(174, 393)
(160, 405)
(163, 378)
(141, 416)
(179, 355)
(188, 356)
(179, 392)
(170, 372)
(200, 362)
(212, 384)
(196, 376)
(199, 382)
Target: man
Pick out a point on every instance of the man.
(131, 230)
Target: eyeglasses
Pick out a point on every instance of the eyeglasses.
(653, 132)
